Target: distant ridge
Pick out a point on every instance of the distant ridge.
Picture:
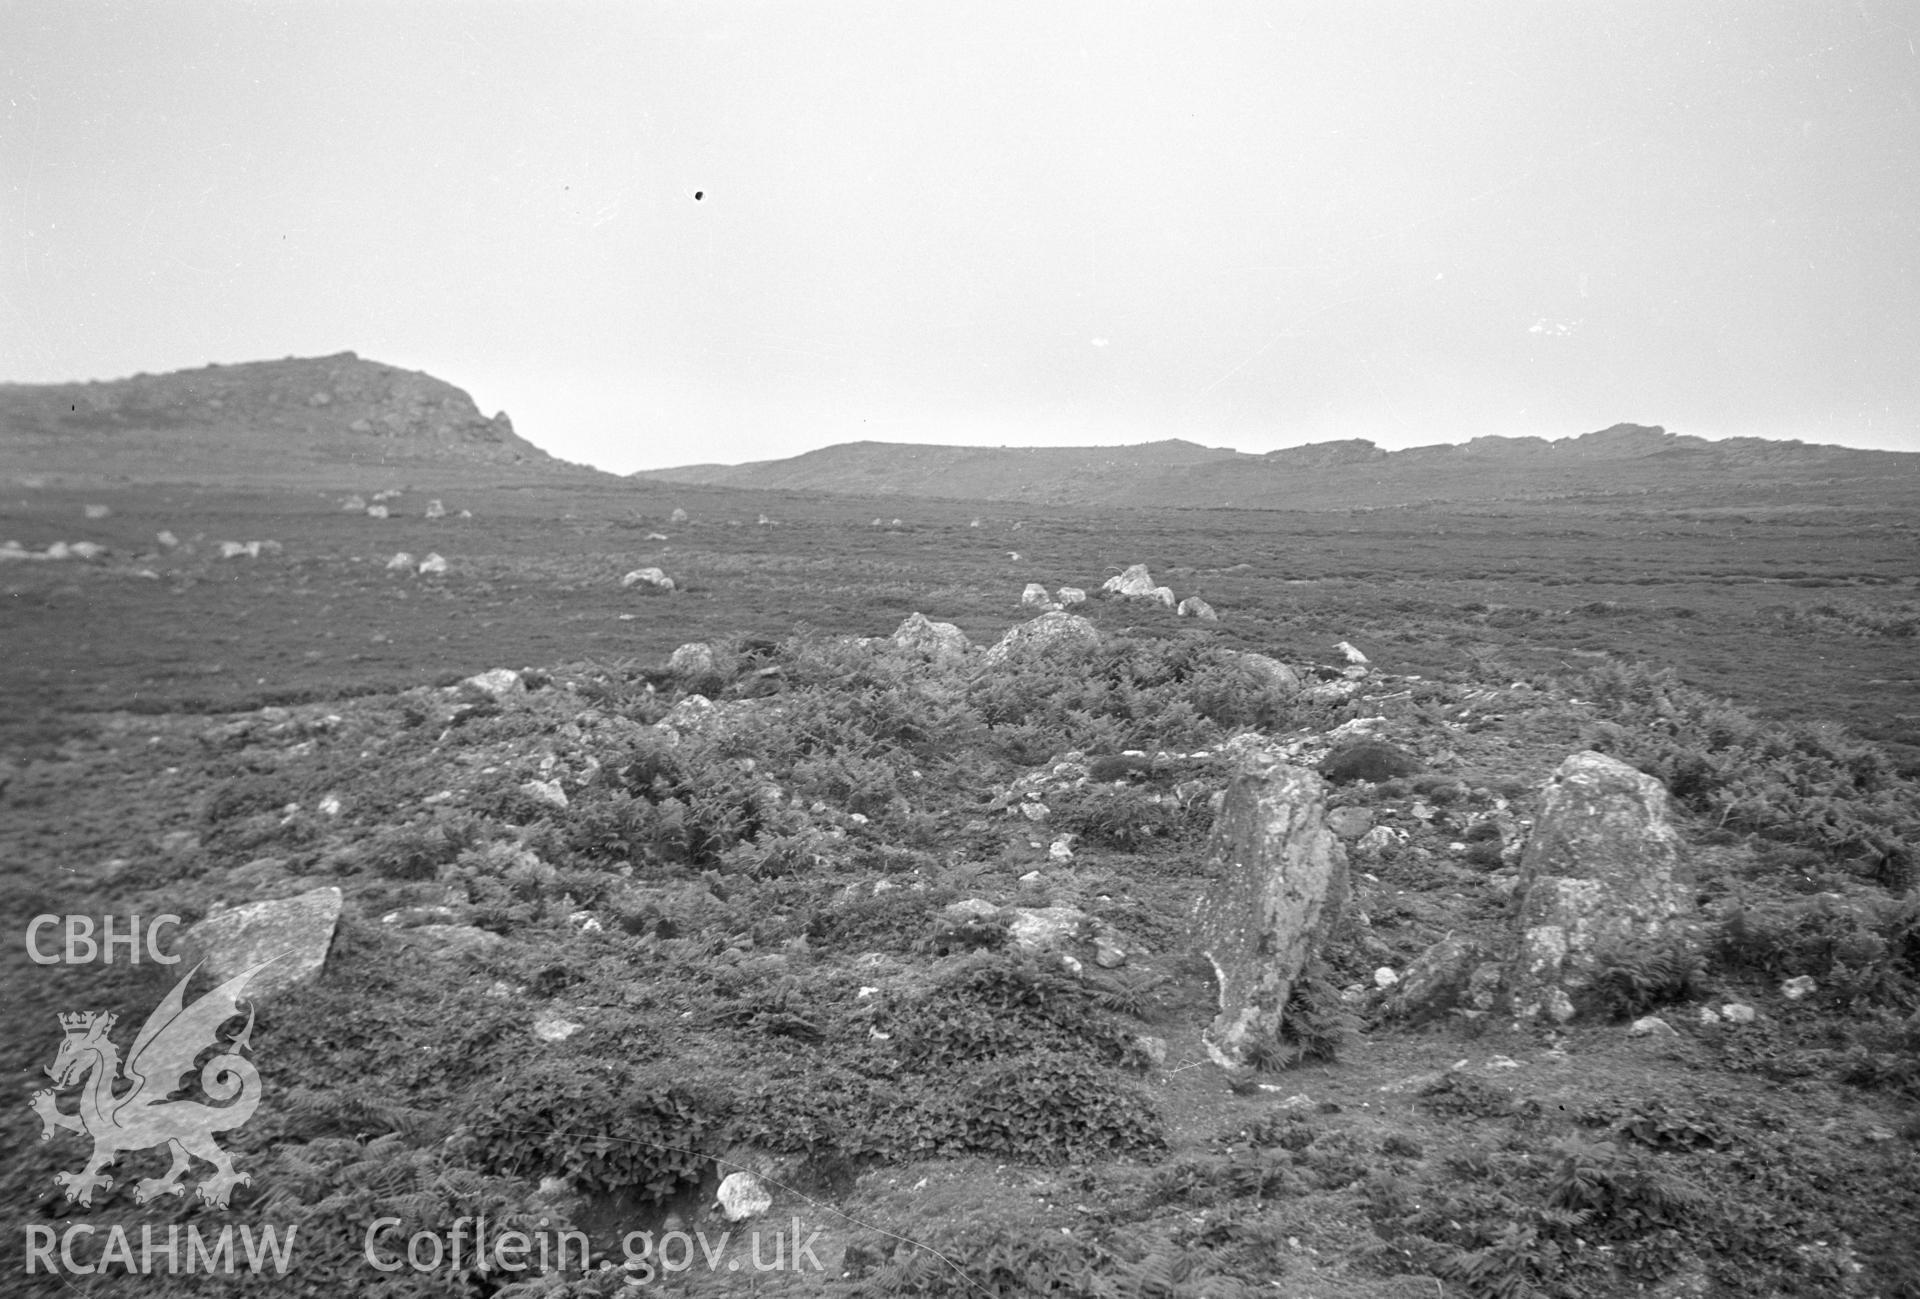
(1623, 460)
(323, 420)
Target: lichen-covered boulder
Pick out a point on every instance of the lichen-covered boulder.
(1049, 629)
(1282, 888)
(1602, 869)
(942, 642)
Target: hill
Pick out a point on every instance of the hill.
(326, 420)
(1613, 465)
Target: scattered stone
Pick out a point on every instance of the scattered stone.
(1071, 595)
(400, 563)
(294, 933)
(1602, 869)
(1153, 1048)
(1198, 608)
(742, 1197)
(1350, 822)
(1164, 594)
(1061, 849)
(1501, 1062)
(1354, 656)
(942, 642)
(1796, 988)
(549, 1027)
(1283, 888)
(376, 511)
(1134, 582)
(1035, 811)
(547, 791)
(1384, 977)
(353, 505)
(1374, 761)
(432, 564)
(694, 659)
(166, 539)
(1454, 974)
(92, 550)
(1036, 597)
(1043, 633)
(678, 516)
(1271, 672)
(435, 510)
(1738, 1012)
(496, 682)
(1040, 929)
(1651, 1026)
(1108, 954)
(97, 511)
(648, 579)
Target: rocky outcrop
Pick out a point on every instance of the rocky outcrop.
(1283, 886)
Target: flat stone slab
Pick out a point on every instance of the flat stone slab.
(298, 931)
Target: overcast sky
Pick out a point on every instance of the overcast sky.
(664, 233)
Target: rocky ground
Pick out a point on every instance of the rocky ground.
(902, 928)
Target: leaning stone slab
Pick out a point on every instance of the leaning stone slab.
(1603, 868)
(297, 930)
(1282, 888)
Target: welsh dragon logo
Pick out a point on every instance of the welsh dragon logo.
(173, 1037)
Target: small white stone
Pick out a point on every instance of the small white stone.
(1384, 977)
(1651, 1026)
(552, 1028)
(1738, 1012)
(1795, 989)
(742, 1197)
(547, 791)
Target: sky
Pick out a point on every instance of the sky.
(718, 231)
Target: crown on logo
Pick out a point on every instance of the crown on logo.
(82, 1020)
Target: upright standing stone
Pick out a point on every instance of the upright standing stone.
(1282, 889)
(1602, 868)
